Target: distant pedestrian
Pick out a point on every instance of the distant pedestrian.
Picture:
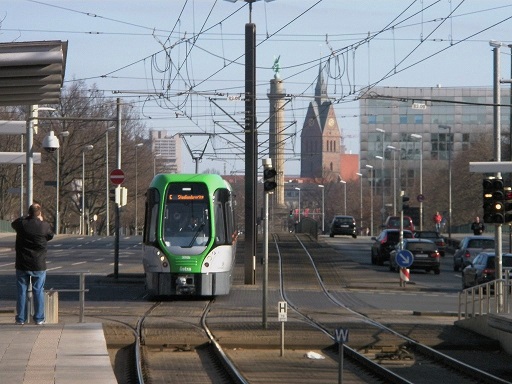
(477, 227)
(437, 221)
(32, 235)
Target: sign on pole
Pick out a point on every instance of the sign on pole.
(283, 311)
(116, 176)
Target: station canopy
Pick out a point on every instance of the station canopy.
(32, 72)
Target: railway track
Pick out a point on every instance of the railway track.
(174, 344)
(175, 347)
(381, 352)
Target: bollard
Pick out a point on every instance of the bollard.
(404, 276)
(51, 307)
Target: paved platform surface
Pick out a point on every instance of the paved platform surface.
(54, 353)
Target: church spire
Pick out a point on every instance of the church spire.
(321, 87)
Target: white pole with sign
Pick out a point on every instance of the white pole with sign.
(282, 310)
(341, 337)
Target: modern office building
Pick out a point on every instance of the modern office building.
(166, 151)
(416, 126)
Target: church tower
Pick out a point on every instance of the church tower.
(321, 142)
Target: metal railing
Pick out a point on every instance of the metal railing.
(81, 290)
(491, 297)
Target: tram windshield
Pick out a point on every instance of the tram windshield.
(186, 228)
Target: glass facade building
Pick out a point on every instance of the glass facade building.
(445, 118)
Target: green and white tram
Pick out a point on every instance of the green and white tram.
(189, 242)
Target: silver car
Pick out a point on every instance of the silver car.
(469, 247)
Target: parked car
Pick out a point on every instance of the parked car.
(482, 269)
(393, 222)
(469, 247)
(385, 243)
(426, 255)
(435, 237)
(343, 225)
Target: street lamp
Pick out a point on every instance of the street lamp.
(154, 162)
(383, 210)
(107, 182)
(51, 144)
(82, 221)
(344, 195)
(370, 168)
(137, 146)
(323, 206)
(361, 198)
(298, 189)
(394, 149)
(419, 137)
(449, 128)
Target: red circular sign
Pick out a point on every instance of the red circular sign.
(116, 176)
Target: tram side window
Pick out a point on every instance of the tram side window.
(151, 219)
(224, 225)
(220, 228)
(230, 222)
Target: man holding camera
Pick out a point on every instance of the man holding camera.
(32, 235)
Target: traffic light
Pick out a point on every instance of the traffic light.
(488, 202)
(403, 203)
(497, 201)
(269, 179)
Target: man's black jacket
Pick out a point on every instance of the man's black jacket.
(32, 236)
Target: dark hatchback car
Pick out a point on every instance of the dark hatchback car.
(482, 269)
(426, 255)
(385, 243)
(469, 247)
(343, 225)
(435, 237)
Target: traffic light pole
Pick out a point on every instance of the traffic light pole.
(269, 185)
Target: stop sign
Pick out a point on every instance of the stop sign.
(116, 176)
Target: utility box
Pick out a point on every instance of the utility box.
(51, 307)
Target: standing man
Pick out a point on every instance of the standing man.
(32, 235)
(477, 227)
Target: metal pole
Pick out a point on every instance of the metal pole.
(137, 146)
(323, 207)
(82, 296)
(450, 183)
(30, 155)
(21, 181)
(370, 169)
(394, 183)
(298, 189)
(420, 137)
(82, 216)
(265, 260)
(497, 157)
(344, 196)
(57, 154)
(361, 198)
(421, 185)
(118, 208)
(383, 211)
(107, 185)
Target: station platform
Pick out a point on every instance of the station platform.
(54, 353)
